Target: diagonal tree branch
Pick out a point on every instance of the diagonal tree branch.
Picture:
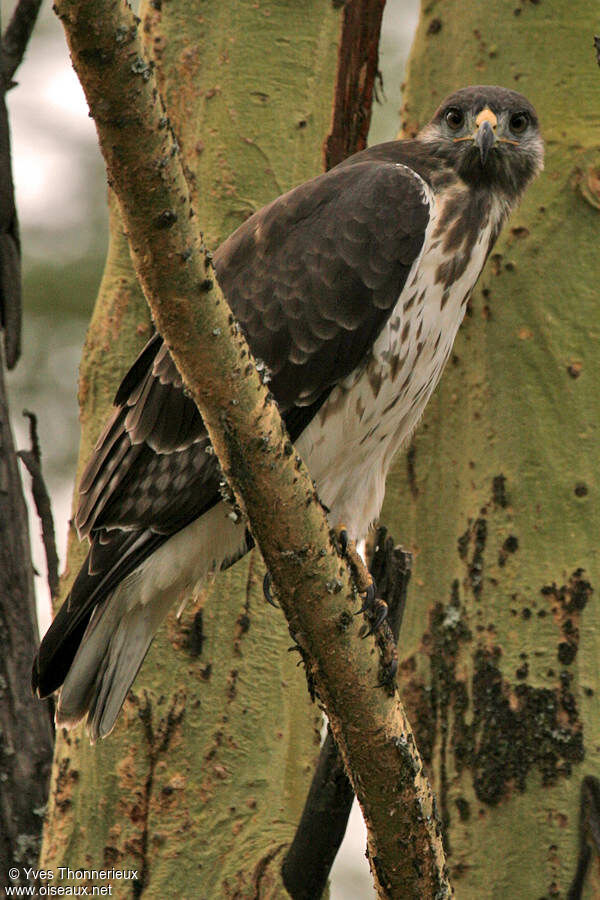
(311, 854)
(270, 481)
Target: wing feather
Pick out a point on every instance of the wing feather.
(312, 278)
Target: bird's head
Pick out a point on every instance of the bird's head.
(491, 137)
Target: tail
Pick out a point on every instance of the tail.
(99, 638)
(109, 657)
(95, 652)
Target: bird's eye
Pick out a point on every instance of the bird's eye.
(519, 122)
(454, 118)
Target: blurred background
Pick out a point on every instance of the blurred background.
(61, 200)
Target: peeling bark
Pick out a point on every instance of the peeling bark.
(357, 74)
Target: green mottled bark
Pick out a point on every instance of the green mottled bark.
(498, 494)
(201, 784)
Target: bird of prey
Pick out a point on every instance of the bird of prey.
(349, 289)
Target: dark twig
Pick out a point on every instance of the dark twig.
(10, 250)
(589, 833)
(322, 827)
(16, 37)
(307, 864)
(597, 46)
(32, 461)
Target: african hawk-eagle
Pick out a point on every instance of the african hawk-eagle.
(350, 290)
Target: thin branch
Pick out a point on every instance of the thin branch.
(16, 37)
(10, 250)
(308, 861)
(245, 428)
(32, 460)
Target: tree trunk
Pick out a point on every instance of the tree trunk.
(497, 494)
(25, 727)
(215, 748)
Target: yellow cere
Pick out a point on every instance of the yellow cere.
(486, 115)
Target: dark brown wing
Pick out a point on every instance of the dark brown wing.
(153, 459)
(312, 278)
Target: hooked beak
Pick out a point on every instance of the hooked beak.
(485, 140)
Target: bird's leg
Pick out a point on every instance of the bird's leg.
(304, 660)
(361, 575)
(375, 609)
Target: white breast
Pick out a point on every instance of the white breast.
(350, 444)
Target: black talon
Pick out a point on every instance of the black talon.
(370, 593)
(380, 613)
(267, 584)
(377, 613)
(369, 599)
